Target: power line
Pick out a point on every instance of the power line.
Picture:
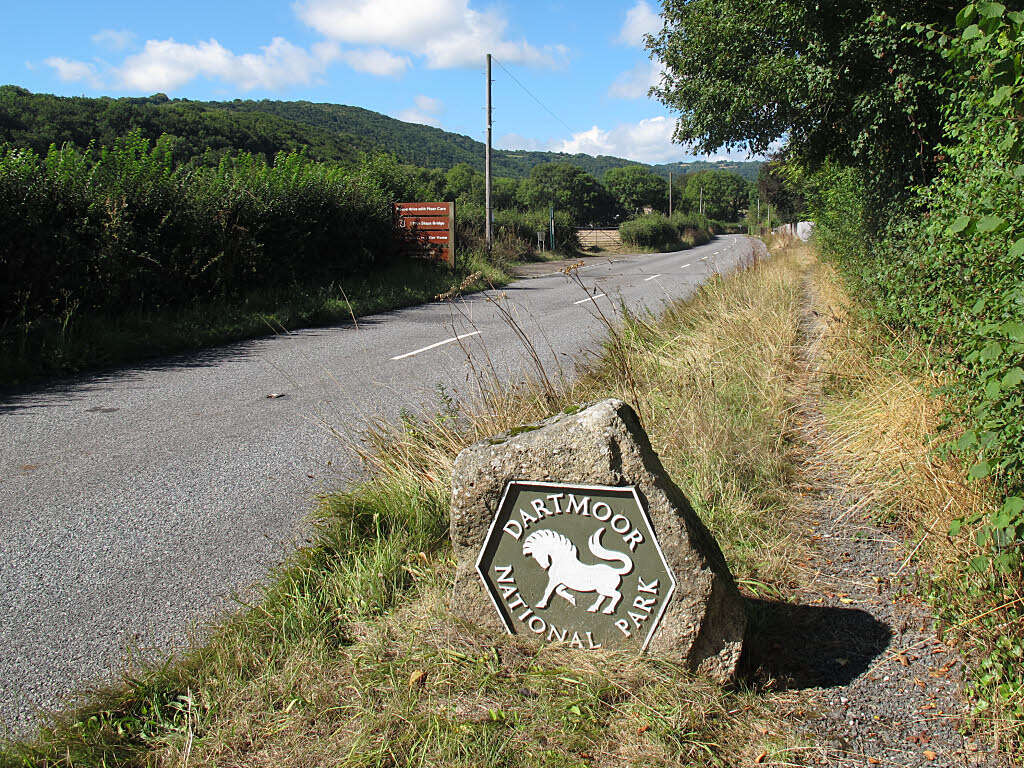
(530, 94)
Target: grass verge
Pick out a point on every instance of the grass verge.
(883, 420)
(351, 659)
(82, 342)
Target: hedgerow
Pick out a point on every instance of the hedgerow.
(655, 230)
(120, 229)
(951, 267)
(651, 231)
(518, 226)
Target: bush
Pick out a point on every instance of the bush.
(681, 230)
(689, 220)
(693, 228)
(651, 231)
(516, 230)
(119, 230)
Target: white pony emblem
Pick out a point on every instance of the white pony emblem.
(559, 557)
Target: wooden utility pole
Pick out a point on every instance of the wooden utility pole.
(670, 193)
(551, 223)
(489, 236)
(700, 205)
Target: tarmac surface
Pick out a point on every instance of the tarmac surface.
(136, 502)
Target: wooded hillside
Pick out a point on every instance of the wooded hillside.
(206, 131)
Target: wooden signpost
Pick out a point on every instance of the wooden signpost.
(428, 229)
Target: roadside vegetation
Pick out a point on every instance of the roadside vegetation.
(658, 232)
(905, 147)
(116, 253)
(949, 268)
(884, 426)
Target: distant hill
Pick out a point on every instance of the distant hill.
(207, 130)
(748, 169)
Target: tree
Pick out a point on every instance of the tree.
(840, 81)
(723, 193)
(568, 189)
(777, 187)
(465, 184)
(503, 193)
(636, 187)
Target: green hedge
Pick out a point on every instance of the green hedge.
(120, 229)
(951, 267)
(654, 230)
(651, 231)
(521, 226)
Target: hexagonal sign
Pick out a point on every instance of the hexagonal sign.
(579, 564)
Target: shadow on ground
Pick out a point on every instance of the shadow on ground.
(69, 390)
(809, 646)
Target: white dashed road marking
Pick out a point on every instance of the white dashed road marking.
(437, 344)
(651, 277)
(589, 298)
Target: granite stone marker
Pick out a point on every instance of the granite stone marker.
(571, 531)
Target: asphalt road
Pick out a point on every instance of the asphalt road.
(133, 504)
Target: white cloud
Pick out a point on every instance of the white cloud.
(447, 33)
(376, 61)
(71, 71)
(416, 116)
(648, 141)
(640, 21)
(114, 39)
(165, 65)
(428, 104)
(634, 83)
(425, 112)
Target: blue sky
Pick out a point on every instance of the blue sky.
(417, 60)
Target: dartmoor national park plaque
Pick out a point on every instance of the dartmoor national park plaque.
(576, 564)
(570, 531)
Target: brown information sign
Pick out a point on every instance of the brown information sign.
(578, 564)
(427, 229)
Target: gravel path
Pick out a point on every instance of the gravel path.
(879, 687)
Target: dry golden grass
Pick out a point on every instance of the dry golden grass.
(882, 415)
(882, 418)
(421, 689)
